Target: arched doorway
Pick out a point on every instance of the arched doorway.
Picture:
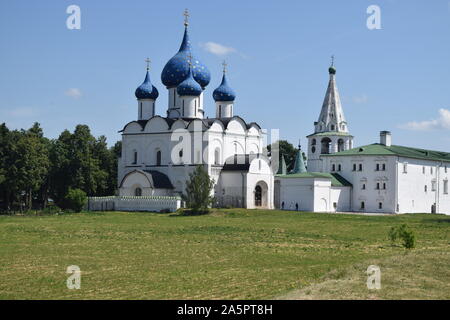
(258, 196)
(261, 195)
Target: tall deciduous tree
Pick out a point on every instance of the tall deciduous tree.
(198, 190)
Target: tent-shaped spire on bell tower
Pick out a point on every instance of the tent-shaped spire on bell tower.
(330, 130)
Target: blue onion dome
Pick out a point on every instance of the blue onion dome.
(177, 68)
(224, 92)
(189, 87)
(146, 90)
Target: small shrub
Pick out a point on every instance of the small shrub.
(403, 233)
(76, 199)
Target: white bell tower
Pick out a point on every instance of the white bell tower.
(330, 130)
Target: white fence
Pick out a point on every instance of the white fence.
(144, 203)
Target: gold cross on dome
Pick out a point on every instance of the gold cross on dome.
(186, 17)
(148, 63)
(224, 64)
(332, 60)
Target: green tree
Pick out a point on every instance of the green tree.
(288, 151)
(80, 162)
(27, 165)
(76, 199)
(198, 190)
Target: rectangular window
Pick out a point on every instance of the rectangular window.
(377, 167)
(445, 187)
(362, 205)
(423, 169)
(333, 167)
(384, 167)
(445, 169)
(339, 167)
(378, 186)
(405, 167)
(380, 205)
(384, 186)
(364, 186)
(431, 170)
(360, 167)
(354, 167)
(433, 185)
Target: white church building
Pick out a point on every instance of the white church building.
(160, 151)
(380, 177)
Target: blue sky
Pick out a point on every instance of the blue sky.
(396, 78)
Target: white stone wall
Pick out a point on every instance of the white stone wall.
(313, 194)
(155, 204)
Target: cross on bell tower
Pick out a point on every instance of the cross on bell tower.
(186, 17)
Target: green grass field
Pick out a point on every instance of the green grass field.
(229, 254)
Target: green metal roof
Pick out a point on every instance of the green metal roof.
(336, 179)
(330, 133)
(377, 149)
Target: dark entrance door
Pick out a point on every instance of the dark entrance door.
(258, 196)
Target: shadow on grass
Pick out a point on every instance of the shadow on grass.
(190, 213)
(445, 220)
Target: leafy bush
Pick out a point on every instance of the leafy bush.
(403, 233)
(76, 199)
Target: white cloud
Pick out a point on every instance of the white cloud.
(442, 122)
(73, 93)
(360, 99)
(217, 48)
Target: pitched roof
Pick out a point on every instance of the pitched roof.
(377, 149)
(336, 179)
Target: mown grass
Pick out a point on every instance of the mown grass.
(229, 254)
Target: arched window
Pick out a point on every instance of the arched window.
(313, 142)
(340, 145)
(158, 157)
(363, 205)
(138, 192)
(135, 157)
(380, 205)
(332, 127)
(326, 145)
